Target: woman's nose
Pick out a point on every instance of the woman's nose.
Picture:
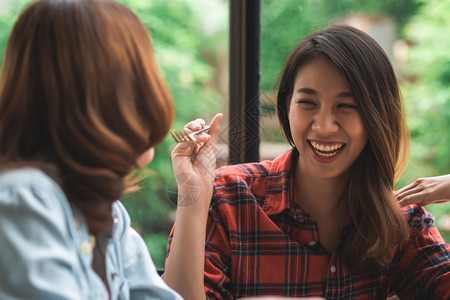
(325, 123)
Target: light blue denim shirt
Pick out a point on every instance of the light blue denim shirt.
(46, 251)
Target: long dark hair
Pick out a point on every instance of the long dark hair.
(80, 90)
(379, 223)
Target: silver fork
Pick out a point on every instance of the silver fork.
(180, 136)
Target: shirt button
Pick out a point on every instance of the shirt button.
(312, 243)
(86, 247)
(333, 269)
(116, 220)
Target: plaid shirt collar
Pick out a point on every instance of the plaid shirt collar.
(276, 203)
(284, 165)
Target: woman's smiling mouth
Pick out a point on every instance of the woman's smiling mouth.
(326, 150)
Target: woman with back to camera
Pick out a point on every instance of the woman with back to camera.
(81, 103)
(322, 220)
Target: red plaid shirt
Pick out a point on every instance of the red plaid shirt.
(259, 242)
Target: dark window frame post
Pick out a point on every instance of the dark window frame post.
(244, 75)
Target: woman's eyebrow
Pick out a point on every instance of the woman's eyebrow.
(346, 94)
(307, 91)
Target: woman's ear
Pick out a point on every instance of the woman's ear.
(145, 158)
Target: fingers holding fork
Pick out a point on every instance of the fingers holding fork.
(194, 161)
(196, 134)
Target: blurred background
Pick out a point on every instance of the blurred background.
(190, 39)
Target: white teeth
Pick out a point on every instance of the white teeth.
(325, 154)
(320, 149)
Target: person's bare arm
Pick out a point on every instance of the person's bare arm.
(424, 191)
(194, 167)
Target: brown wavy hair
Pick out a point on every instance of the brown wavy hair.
(379, 225)
(80, 90)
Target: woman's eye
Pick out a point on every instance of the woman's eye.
(306, 102)
(347, 105)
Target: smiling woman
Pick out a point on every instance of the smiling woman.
(359, 107)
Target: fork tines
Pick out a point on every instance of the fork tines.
(180, 136)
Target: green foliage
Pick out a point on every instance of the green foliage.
(286, 22)
(8, 15)
(427, 94)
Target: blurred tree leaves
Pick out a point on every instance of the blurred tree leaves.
(9, 12)
(286, 22)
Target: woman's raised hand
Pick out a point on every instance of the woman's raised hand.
(424, 191)
(194, 163)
